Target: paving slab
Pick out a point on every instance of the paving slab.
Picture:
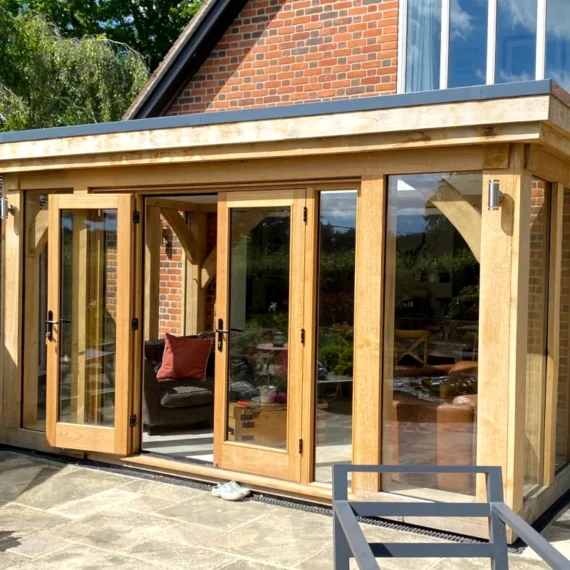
(114, 529)
(67, 516)
(77, 484)
(216, 513)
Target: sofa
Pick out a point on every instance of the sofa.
(436, 431)
(174, 403)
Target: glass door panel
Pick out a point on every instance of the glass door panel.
(88, 322)
(258, 339)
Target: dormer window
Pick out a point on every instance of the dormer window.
(460, 43)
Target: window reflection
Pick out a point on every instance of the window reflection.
(558, 42)
(431, 328)
(335, 355)
(467, 42)
(424, 40)
(516, 40)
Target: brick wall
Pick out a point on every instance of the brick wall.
(281, 52)
(539, 228)
(564, 362)
(172, 295)
(171, 288)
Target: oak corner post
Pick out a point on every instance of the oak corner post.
(504, 290)
(12, 297)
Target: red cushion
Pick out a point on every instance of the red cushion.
(184, 358)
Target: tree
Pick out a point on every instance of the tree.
(47, 80)
(148, 26)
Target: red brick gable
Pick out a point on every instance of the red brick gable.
(283, 52)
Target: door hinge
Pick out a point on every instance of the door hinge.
(305, 214)
(302, 336)
(133, 420)
(301, 447)
(135, 324)
(136, 217)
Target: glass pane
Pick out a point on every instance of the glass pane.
(337, 242)
(423, 45)
(563, 407)
(259, 325)
(516, 40)
(558, 42)
(88, 315)
(468, 43)
(539, 224)
(35, 299)
(431, 329)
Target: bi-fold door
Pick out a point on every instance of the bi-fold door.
(259, 335)
(89, 322)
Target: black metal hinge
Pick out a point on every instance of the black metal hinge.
(133, 420)
(135, 324)
(305, 214)
(302, 336)
(301, 447)
(136, 217)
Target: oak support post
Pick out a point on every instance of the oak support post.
(368, 331)
(503, 325)
(12, 297)
(195, 302)
(153, 239)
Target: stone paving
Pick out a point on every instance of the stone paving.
(65, 516)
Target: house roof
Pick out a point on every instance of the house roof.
(185, 57)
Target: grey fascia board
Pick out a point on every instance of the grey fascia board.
(457, 95)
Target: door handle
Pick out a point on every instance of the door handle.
(50, 322)
(221, 332)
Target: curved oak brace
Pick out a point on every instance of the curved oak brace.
(182, 231)
(466, 219)
(209, 268)
(245, 225)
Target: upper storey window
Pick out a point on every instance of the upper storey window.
(458, 43)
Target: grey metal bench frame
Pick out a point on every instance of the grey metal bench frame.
(350, 542)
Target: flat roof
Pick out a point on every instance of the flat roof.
(456, 95)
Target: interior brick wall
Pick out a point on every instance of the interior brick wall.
(171, 288)
(281, 52)
(172, 296)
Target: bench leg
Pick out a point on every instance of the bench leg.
(341, 548)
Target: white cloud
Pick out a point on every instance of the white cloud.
(518, 13)
(461, 25)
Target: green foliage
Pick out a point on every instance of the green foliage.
(147, 26)
(336, 352)
(47, 80)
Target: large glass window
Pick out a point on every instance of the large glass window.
(335, 354)
(539, 228)
(450, 39)
(424, 41)
(558, 42)
(467, 42)
(431, 329)
(516, 40)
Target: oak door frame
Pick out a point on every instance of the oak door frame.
(101, 439)
(279, 464)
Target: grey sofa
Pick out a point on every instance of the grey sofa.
(171, 403)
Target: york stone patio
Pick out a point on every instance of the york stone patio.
(55, 515)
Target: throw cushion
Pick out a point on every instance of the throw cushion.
(184, 358)
(186, 393)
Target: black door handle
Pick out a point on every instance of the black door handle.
(221, 332)
(50, 322)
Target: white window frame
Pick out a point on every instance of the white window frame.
(491, 43)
